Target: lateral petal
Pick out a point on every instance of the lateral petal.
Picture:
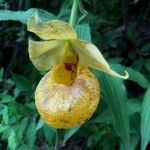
(90, 56)
(45, 54)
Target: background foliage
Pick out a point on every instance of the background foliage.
(122, 121)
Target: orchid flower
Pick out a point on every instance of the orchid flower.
(69, 93)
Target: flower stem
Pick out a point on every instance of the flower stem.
(73, 16)
(56, 142)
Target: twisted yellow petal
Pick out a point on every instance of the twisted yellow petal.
(55, 29)
(90, 56)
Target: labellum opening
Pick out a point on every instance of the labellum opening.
(65, 73)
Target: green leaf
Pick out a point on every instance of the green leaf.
(21, 130)
(138, 78)
(147, 64)
(134, 75)
(146, 48)
(40, 124)
(132, 35)
(94, 139)
(3, 128)
(31, 134)
(83, 31)
(22, 16)
(1, 73)
(23, 147)
(115, 95)
(134, 141)
(6, 98)
(49, 133)
(111, 38)
(64, 11)
(18, 110)
(23, 84)
(105, 116)
(5, 115)
(70, 132)
(145, 121)
(133, 106)
(12, 142)
(135, 120)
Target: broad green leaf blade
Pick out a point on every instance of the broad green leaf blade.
(115, 95)
(49, 133)
(93, 139)
(3, 128)
(6, 97)
(21, 130)
(145, 121)
(134, 75)
(138, 78)
(5, 115)
(23, 16)
(31, 134)
(22, 147)
(23, 84)
(105, 117)
(83, 32)
(40, 124)
(1, 74)
(133, 106)
(70, 132)
(64, 11)
(134, 141)
(12, 141)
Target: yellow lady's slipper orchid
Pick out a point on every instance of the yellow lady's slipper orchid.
(69, 93)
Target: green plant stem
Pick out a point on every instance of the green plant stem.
(56, 142)
(74, 11)
(59, 135)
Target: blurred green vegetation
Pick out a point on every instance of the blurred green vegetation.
(121, 30)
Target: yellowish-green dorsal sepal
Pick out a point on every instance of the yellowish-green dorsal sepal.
(55, 29)
(90, 56)
(45, 54)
